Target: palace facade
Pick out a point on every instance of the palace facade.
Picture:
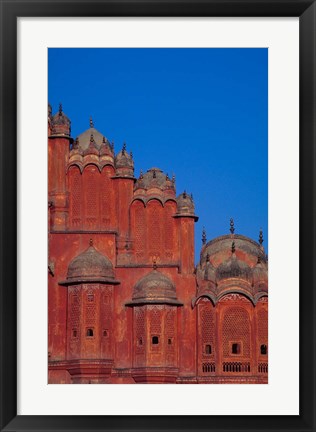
(126, 303)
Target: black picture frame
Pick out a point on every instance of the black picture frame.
(10, 10)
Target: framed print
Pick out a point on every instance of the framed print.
(127, 300)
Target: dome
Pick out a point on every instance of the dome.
(60, 123)
(154, 178)
(90, 266)
(220, 248)
(124, 163)
(85, 138)
(260, 274)
(233, 268)
(210, 272)
(124, 159)
(155, 287)
(185, 205)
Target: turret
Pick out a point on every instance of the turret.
(58, 153)
(186, 218)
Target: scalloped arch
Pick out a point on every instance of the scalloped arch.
(236, 291)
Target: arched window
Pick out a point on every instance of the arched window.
(155, 340)
(208, 349)
(263, 349)
(89, 332)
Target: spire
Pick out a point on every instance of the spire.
(91, 122)
(154, 264)
(233, 247)
(260, 237)
(232, 226)
(203, 236)
(124, 148)
(60, 110)
(184, 194)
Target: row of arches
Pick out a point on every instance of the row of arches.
(91, 198)
(153, 229)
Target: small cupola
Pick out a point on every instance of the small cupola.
(185, 206)
(124, 163)
(90, 266)
(154, 288)
(60, 123)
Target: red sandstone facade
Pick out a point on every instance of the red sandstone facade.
(126, 303)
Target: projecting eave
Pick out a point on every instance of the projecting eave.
(144, 301)
(77, 281)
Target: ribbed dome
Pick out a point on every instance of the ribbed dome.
(260, 274)
(154, 178)
(233, 268)
(124, 159)
(90, 266)
(185, 205)
(210, 272)
(155, 287)
(85, 138)
(60, 123)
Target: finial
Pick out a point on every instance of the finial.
(103, 140)
(141, 175)
(260, 237)
(203, 236)
(91, 122)
(191, 196)
(91, 242)
(233, 247)
(154, 173)
(232, 226)
(131, 153)
(124, 148)
(184, 194)
(167, 177)
(112, 145)
(154, 264)
(173, 178)
(60, 111)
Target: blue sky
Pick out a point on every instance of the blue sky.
(201, 114)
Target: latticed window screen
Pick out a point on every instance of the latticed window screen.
(75, 304)
(106, 311)
(169, 228)
(75, 197)
(139, 225)
(207, 316)
(139, 317)
(236, 329)
(91, 195)
(262, 324)
(105, 196)
(155, 227)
